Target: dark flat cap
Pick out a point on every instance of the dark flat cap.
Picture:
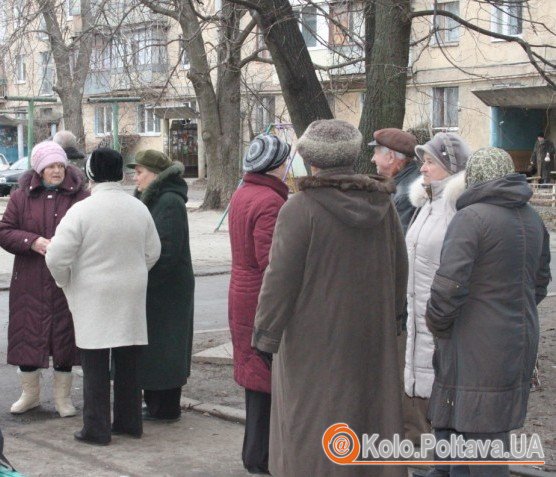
(395, 139)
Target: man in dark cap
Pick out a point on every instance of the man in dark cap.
(394, 156)
(253, 212)
(543, 156)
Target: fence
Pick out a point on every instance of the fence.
(544, 194)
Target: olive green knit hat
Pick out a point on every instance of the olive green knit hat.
(487, 164)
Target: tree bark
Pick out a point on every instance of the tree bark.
(387, 52)
(300, 86)
(70, 82)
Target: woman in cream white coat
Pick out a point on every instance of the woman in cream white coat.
(434, 194)
(100, 256)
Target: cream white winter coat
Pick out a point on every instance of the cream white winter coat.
(100, 256)
(424, 240)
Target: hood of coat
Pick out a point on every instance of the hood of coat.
(451, 188)
(356, 200)
(509, 191)
(169, 180)
(73, 182)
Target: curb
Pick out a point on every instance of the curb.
(223, 412)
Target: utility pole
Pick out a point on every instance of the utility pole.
(115, 102)
(31, 100)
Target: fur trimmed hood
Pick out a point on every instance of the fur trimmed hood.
(450, 188)
(73, 182)
(356, 200)
(169, 180)
(345, 182)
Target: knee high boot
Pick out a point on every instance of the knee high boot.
(62, 394)
(30, 397)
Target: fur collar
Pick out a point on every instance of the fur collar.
(345, 182)
(450, 188)
(157, 186)
(73, 182)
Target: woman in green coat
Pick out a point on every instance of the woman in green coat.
(164, 365)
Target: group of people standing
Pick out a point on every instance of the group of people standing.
(394, 303)
(102, 279)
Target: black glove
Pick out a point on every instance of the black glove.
(266, 357)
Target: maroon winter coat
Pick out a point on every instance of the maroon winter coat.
(253, 212)
(40, 321)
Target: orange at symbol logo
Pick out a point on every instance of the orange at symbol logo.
(341, 445)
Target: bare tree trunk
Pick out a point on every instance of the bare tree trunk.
(70, 81)
(224, 172)
(387, 52)
(301, 88)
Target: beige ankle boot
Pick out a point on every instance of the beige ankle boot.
(30, 397)
(62, 394)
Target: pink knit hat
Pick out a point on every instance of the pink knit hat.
(46, 153)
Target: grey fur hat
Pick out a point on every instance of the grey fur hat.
(449, 149)
(329, 143)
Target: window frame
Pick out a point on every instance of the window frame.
(447, 27)
(147, 113)
(445, 112)
(20, 69)
(106, 120)
(47, 68)
(303, 27)
(500, 19)
(264, 113)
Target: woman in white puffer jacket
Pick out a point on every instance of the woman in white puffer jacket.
(435, 193)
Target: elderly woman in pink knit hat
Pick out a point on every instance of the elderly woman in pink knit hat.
(40, 323)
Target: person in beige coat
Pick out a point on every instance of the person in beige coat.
(100, 256)
(328, 309)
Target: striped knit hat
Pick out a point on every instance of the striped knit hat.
(265, 153)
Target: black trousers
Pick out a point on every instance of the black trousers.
(96, 392)
(257, 430)
(163, 404)
(30, 369)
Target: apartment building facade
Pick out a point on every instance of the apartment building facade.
(458, 80)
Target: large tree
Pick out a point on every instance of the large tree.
(218, 98)
(386, 52)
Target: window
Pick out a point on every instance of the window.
(17, 13)
(307, 18)
(20, 69)
(103, 120)
(260, 44)
(185, 62)
(445, 108)
(264, 113)
(100, 55)
(118, 52)
(47, 70)
(507, 17)
(447, 28)
(346, 23)
(148, 46)
(73, 7)
(42, 33)
(147, 122)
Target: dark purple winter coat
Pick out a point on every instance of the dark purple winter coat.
(40, 321)
(253, 212)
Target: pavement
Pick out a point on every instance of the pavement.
(207, 440)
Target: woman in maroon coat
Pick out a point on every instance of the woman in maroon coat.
(40, 323)
(253, 212)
